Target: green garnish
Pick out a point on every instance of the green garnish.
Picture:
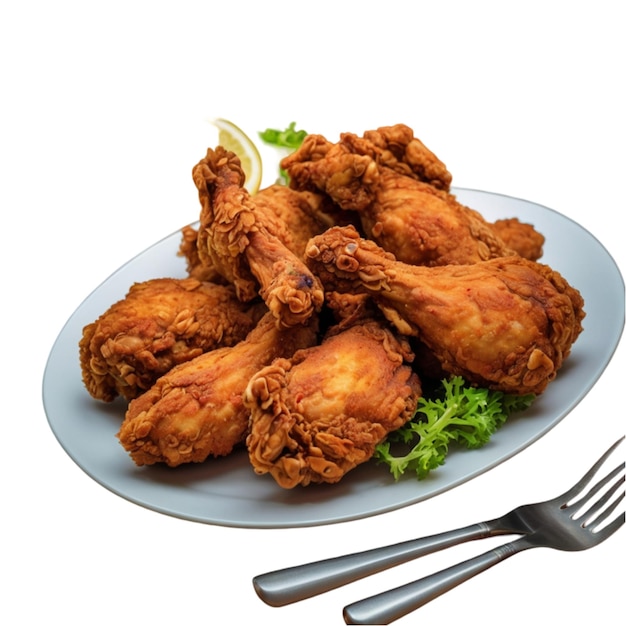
(459, 413)
(288, 138)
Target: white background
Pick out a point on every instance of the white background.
(100, 115)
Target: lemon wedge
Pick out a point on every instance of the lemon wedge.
(234, 139)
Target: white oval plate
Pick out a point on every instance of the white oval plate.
(227, 492)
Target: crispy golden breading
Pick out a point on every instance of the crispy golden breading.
(304, 214)
(202, 270)
(196, 409)
(521, 237)
(506, 323)
(400, 191)
(313, 314)
(318, 415)
(397, 148)
(160, 323)
(245, 242)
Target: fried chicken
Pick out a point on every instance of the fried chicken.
(201, 269)
(245, 242)
(521, 237)
(397, 148)
(160, 323)
(400, 191)
(505, 323)
(196, 410)
(318, 415)
(303, 213)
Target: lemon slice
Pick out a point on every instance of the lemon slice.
(234, 139)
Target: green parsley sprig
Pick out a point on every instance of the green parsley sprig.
(289, 138)
(459, 414)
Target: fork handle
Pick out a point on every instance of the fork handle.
(388, 606)
(292, 584)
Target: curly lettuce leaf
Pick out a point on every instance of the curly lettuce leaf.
(460, 414)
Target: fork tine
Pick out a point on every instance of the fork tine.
(609, 529)
(583, 500)
(605, 514)
(592, 519)
(586, 479)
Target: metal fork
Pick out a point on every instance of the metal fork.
(549, 523)
(559, 524)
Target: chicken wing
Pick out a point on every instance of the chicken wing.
(397, 148)
(401, 196)
(417, 222)
(318, 415)
(196, 410)
(160, 323)
(505, 323)
(245, 242)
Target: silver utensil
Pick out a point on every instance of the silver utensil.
(564, 523)
(293, 584)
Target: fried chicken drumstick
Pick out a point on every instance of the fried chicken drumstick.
(318, 415)
(196, 410)
(247, 243)
(160, 323)
(505, 323)
(304, 214)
